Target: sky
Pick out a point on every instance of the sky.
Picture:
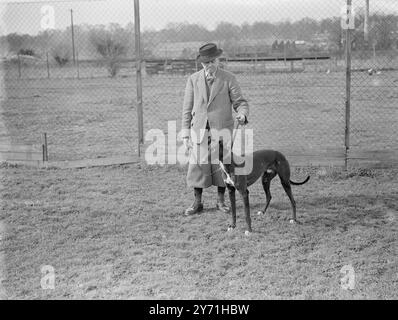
(32, 16)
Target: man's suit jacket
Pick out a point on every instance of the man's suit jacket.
(198, 108)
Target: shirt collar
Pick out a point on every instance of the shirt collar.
(215, 73)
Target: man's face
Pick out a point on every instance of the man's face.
(211, 66)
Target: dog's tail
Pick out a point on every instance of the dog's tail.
(300, 183)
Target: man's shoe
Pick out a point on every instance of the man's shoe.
(221, 206)
(194, 209)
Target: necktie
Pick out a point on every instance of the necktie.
(210, 78)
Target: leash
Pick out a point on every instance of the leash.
(233, 138)
(229, 179)
(221, 165)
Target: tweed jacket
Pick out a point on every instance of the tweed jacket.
(199, 107)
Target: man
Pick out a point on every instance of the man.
(210, 96)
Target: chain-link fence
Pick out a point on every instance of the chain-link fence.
(78, 84)
(75, 84)
(374, 83)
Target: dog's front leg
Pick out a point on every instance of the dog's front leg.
(232, 200)
(245, 196)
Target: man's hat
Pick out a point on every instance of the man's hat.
(208, 52)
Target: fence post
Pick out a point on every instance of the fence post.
(77, 64)
(348, 85)
(45, 147)
(73, 37)
(284, 52)
(366, 23)
(19, 67)
(48, 67)
(138, 73)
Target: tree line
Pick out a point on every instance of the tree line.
(114, 41)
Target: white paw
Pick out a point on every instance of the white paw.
(230, 229)
(247, 233)
(260, 213)
(292, 221)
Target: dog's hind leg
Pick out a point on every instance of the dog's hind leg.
(266, 181)
(232, 200)
(288, 189)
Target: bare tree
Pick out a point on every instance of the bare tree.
(110, 45)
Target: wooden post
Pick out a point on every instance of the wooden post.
(138, 73)
(348, 86)
(48, 67)
(284, 52)
(366, 23)
(77, 64)
(19, 67)
(73, 37)
(44, 147)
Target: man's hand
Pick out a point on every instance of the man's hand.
(241, 119)
(187, 143)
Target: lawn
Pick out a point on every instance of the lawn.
(118, 232)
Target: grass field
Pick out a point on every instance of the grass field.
(96, 117)
(117, 232)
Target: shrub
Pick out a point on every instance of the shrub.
(110, 49)
(61, 55)
(27, 52)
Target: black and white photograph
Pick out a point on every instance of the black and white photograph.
(215, 152)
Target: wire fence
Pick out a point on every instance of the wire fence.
(78, 84)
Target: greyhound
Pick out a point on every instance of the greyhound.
(267, 163)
